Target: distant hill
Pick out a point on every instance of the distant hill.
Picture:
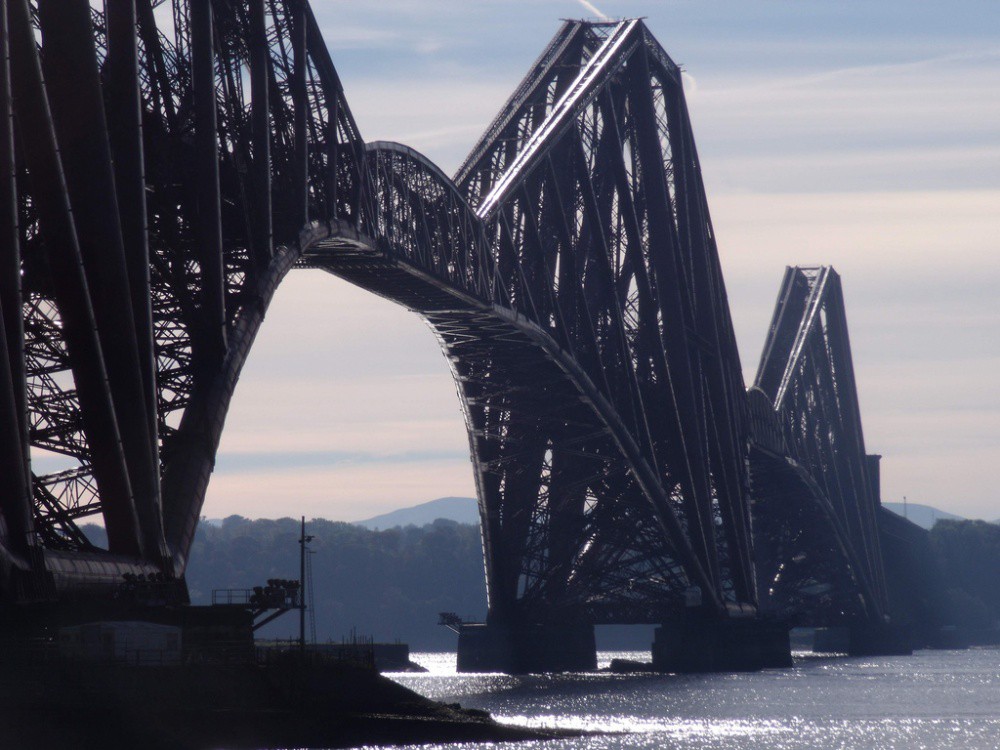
(922, 515)
(458, 509)
(465, 510)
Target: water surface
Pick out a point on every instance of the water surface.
(931, 700)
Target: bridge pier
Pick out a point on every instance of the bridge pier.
(734, 645)
(863, 639)
(523, 649)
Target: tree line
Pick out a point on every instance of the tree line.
(392, 584)
(967, 554)
(386, 584)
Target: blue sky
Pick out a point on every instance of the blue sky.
(858, 134)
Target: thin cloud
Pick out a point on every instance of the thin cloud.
(342, 36)
(345, 492)
(854, 72)
(270, 462)
(594, 9)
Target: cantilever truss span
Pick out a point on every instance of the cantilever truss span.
(168, 162)
(816, 490)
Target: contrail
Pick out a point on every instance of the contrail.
(593, 9)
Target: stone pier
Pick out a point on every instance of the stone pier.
(863, 639)
(523, 649)
(695, 644)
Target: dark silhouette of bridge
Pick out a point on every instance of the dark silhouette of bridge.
(166, 164)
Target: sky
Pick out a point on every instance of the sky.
(862, 135)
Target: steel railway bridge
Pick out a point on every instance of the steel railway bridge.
(165, 164)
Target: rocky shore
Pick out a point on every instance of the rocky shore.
(292, 702)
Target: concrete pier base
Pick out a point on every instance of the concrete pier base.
(835, 640)
(524, 649)
(736, 645)
(864, 639)
(949, 637)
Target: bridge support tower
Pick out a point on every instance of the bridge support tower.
(523, 649)
(864, 639)
(701, 644)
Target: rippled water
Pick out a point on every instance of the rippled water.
(931, 700)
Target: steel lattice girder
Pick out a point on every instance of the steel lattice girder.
(565, 278)
(589, 186)
(806, 377)
(151, 205)
(569, 272)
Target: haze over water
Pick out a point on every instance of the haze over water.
(931, 700)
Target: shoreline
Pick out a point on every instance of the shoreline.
(291, 703)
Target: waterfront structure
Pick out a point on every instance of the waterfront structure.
(168, 163)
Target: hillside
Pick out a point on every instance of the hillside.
(924, 516)
(464, 510)
(457, 509)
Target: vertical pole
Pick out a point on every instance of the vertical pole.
(304, 539)
(302, 587)
(209, 226)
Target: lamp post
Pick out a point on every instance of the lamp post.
(303, 541)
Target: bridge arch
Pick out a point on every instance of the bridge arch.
(390, 268)
(807, 567)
